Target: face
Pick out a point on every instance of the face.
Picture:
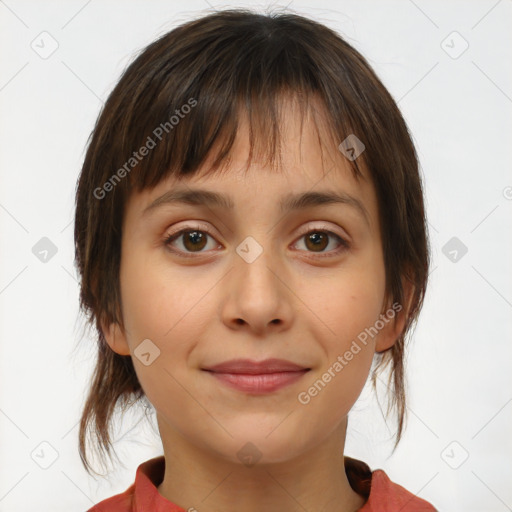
(255, 282)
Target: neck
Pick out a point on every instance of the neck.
(198, 479)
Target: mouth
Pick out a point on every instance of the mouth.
(257, 377)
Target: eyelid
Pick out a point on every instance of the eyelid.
(196, 224)
(313, 225)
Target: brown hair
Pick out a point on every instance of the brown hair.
(218, 66)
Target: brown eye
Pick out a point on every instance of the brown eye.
(317, 241)
(194, 240)
(188, 241)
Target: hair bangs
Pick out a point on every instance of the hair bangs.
(188, 125)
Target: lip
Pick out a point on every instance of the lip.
(257, 377)
(250, 367)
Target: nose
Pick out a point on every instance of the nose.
(257, 296)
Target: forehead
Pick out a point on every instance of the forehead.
(309, 160)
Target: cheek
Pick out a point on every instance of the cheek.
(347, 301)
(156, 300)
(156, 310)
(348, 350)
(349, 306)
(167, 308)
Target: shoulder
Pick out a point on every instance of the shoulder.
(122, 502)
(143, 494)
(387, 496)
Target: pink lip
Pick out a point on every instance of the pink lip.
(257, 377)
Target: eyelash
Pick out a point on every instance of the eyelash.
(344, 245)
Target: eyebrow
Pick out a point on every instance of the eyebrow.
(290, 202)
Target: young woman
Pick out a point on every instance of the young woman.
(250, 236)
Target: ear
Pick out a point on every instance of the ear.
(116, 338)
(397, 315)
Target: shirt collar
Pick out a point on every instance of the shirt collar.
(150, 475)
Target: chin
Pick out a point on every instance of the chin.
(251, 447)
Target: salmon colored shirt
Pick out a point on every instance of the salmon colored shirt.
(382, 495)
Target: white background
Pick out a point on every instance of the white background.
(459, 364)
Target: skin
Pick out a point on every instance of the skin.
(289, 303)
